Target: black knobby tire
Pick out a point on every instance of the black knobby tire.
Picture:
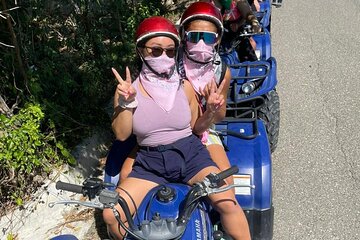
(269, 26)
(270, 114)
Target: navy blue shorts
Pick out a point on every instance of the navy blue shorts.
(177, 162)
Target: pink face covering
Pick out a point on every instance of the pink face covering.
(199, 74)
(162, 64)
(200, 51)
(161, 90)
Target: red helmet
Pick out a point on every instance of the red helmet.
(154, 27)
(205, 11)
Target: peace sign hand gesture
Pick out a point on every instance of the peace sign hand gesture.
(125, 92)
(214, 98)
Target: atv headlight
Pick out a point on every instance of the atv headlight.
(248, 87)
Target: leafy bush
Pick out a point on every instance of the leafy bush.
(67, 49)
(29, 148)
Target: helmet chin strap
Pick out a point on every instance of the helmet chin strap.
(162, 75)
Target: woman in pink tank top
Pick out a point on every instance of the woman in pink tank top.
(201, 30)
(145, 107)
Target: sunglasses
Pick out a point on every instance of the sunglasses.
(158, 51)
(207, 37)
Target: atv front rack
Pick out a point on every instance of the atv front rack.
(251, 70)
(245, 111)
(255, 72)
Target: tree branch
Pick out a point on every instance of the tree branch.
(6, 45)
(4, 108)
(8, 10)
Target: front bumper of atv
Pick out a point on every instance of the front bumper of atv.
(261, 223)
(277, 3)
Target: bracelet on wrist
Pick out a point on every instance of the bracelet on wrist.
(125, 104)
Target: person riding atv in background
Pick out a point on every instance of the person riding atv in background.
(237, 14)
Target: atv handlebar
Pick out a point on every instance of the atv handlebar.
(227, 173)
(94, 189)
(245, 32)
(69, 187)
(215, 179)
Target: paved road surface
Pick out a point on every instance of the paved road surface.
(317, 163)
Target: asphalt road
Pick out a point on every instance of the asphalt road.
(316, 167)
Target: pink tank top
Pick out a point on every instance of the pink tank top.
(153, 126)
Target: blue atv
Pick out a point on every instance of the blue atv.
(253, 80)
(245, 138)
(251, 128)
(249, 133)
(264, 15)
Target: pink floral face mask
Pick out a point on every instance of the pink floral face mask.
(198, 64)
(200, 51)
(161, 89)
(162, 64)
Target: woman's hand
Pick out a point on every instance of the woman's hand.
(253, 21)
(124, 103)
(125, 92)
(214, 107)
(214, 98)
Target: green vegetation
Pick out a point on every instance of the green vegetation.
(27, 149)
(55, 79)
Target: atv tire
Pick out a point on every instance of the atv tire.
(270, 114)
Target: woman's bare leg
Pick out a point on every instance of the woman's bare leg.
(126, 168)
(257, 5)
(131, 186)
(232, 216)
(218, 155)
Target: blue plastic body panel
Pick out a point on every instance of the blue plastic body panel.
(253, 158)
(249, 71)
(263, 43)
(264, 13)
(65, 237)
(198, 225)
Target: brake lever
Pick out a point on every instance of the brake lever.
(76, 202)
(210, 190)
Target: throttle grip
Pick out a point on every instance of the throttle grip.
(69, 187)
(228, 172)
(216, 179)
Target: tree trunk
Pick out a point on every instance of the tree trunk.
(16, 46)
